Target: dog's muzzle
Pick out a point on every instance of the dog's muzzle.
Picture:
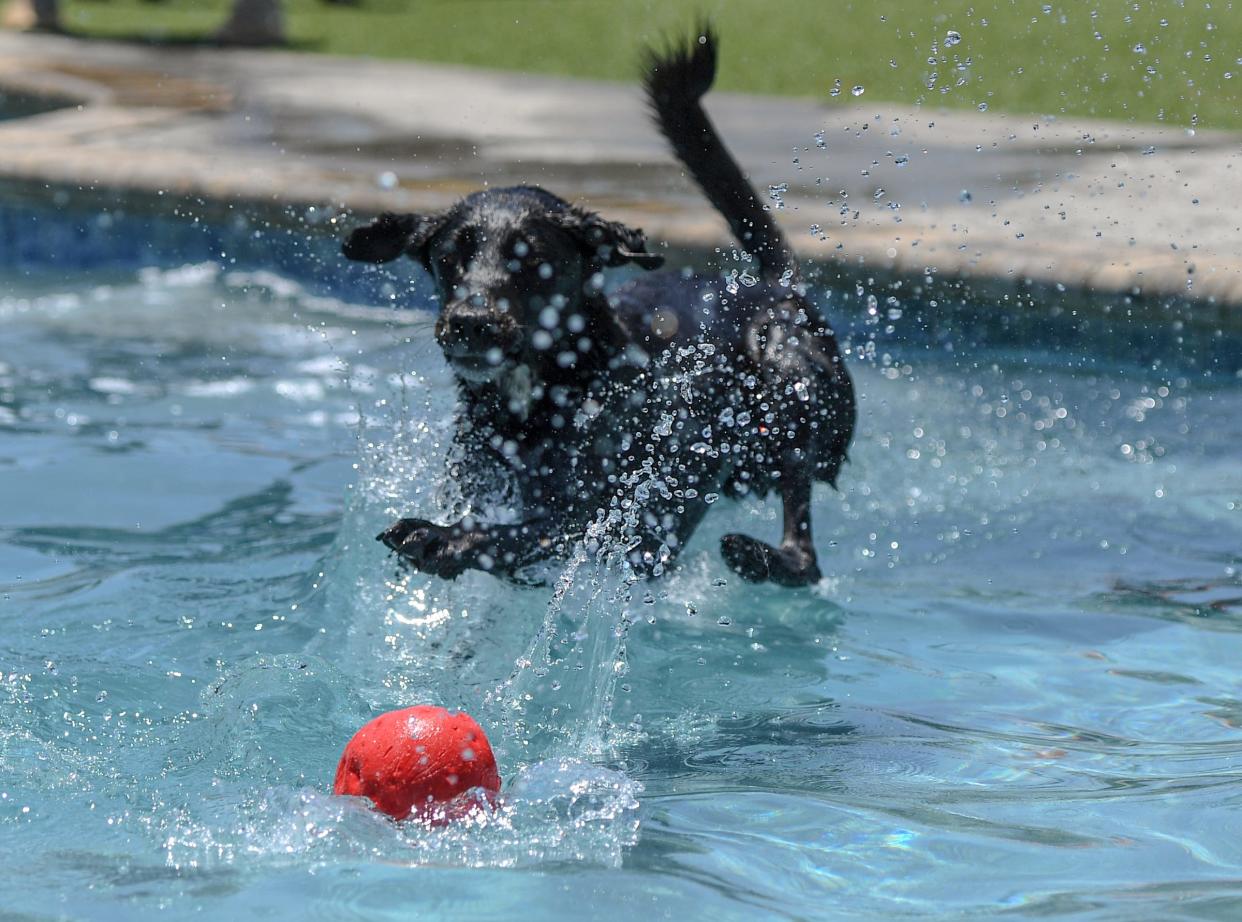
(478, 342)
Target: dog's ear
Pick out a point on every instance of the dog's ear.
(390, 235)
(611, 242)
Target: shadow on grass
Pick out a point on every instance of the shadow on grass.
(150, 40)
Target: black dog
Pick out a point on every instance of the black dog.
(631, 410)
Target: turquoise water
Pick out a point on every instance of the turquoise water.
(1016, 692)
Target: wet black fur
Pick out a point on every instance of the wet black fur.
(628, 410)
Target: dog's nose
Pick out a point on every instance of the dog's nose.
(469, 329)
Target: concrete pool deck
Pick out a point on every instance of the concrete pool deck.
(1111, 207)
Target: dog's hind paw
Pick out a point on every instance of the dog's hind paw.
(757, 562)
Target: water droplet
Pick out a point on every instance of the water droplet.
(1140, 48)
(387, 180)
(952, 38)
(710, 498)
(858, 90)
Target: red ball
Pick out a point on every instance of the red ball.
(415, 760)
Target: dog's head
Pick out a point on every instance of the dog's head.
(519, 275)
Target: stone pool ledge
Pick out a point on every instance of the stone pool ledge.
(993, 199)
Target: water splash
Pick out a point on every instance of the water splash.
(562, 810)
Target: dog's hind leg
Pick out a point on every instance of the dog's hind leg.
(808, 398)
(793, 563)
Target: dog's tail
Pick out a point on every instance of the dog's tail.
(676, 81)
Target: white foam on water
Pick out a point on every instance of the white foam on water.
(560, 810)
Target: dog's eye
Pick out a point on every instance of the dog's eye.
(524, 256)
(444, 263)
(458, 251)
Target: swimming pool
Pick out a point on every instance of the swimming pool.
(17, 104)
(1017, 691)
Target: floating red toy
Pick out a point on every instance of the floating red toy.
(415, 760)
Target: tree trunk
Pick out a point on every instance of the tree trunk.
(252, 22)
(32, 14)
(47, 15)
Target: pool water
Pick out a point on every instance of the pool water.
(1016, 691)
(21, 105)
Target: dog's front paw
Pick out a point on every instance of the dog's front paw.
(426, 546)
(758, 562)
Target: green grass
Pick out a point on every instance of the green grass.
(1074, 57)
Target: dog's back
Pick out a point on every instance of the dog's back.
(779, 332)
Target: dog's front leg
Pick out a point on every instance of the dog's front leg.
(448, 551)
